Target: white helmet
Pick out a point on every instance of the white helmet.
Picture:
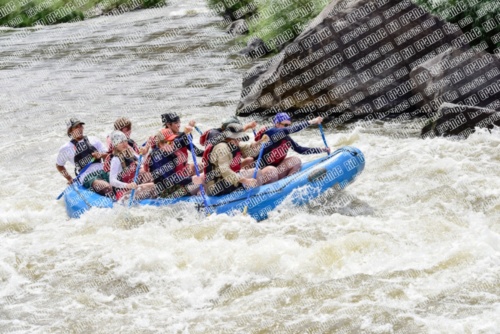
(117, 137)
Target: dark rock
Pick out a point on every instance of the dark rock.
(352, 62)
(460, 120)
(466, 76)
(256, 48)
(238, 27)
(238, 12)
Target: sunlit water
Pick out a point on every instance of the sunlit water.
(411, 247)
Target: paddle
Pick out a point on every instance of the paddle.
(202, 190)
(135, 180)
(76, 177)
(323, 136)
(245, 210)
(199, 131)
(75, 188)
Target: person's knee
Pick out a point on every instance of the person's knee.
(294, 164)
(102, 187)
(270, 174)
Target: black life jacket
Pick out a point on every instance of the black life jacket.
(83, 153)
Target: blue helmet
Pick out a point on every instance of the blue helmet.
(282, 116)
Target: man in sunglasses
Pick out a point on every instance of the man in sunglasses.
(86, 154)
(275, 153)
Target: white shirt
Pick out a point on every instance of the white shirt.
(115, 169)
(67, 154)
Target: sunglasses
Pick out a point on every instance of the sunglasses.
(286, 125)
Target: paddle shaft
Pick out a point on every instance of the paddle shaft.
(202, 190)
(323, 136)
(135, 180)
(75, 187)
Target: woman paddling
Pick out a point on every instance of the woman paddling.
(123, 166)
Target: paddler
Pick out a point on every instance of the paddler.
(81, 151)
(223, 173)
(124, 125)
(172, 122)
(214, 136)
(123, 166)
(169, 168)
(275, 153)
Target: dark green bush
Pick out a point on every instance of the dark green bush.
(469, 14)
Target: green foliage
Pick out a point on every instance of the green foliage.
(469, 14)
(274, 20)
(25, 13)
(277, 20)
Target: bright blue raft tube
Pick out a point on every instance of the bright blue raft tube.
(315, 177)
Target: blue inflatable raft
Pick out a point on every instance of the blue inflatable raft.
(336, 170)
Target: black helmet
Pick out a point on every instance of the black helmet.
(170, 118)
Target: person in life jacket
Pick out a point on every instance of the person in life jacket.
(82, 151)
(223, 173)
(169, 168)
(122, 169)
(172, 122)
(275, 153)
(124, 125)
(215, 136)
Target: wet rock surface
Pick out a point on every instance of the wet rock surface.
(460, 120)
(353, 61)
(467, 76)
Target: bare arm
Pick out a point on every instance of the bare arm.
(64, 172)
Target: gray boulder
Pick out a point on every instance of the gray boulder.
(459, 120)
(238, 27)
(255, 48)
(466, 76)
(353, 61)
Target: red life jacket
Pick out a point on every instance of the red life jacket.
(128, 173)
(203, 137)
(182, 159)
(209, 167)
(277, 152)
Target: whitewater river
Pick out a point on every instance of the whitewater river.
(411, 247)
